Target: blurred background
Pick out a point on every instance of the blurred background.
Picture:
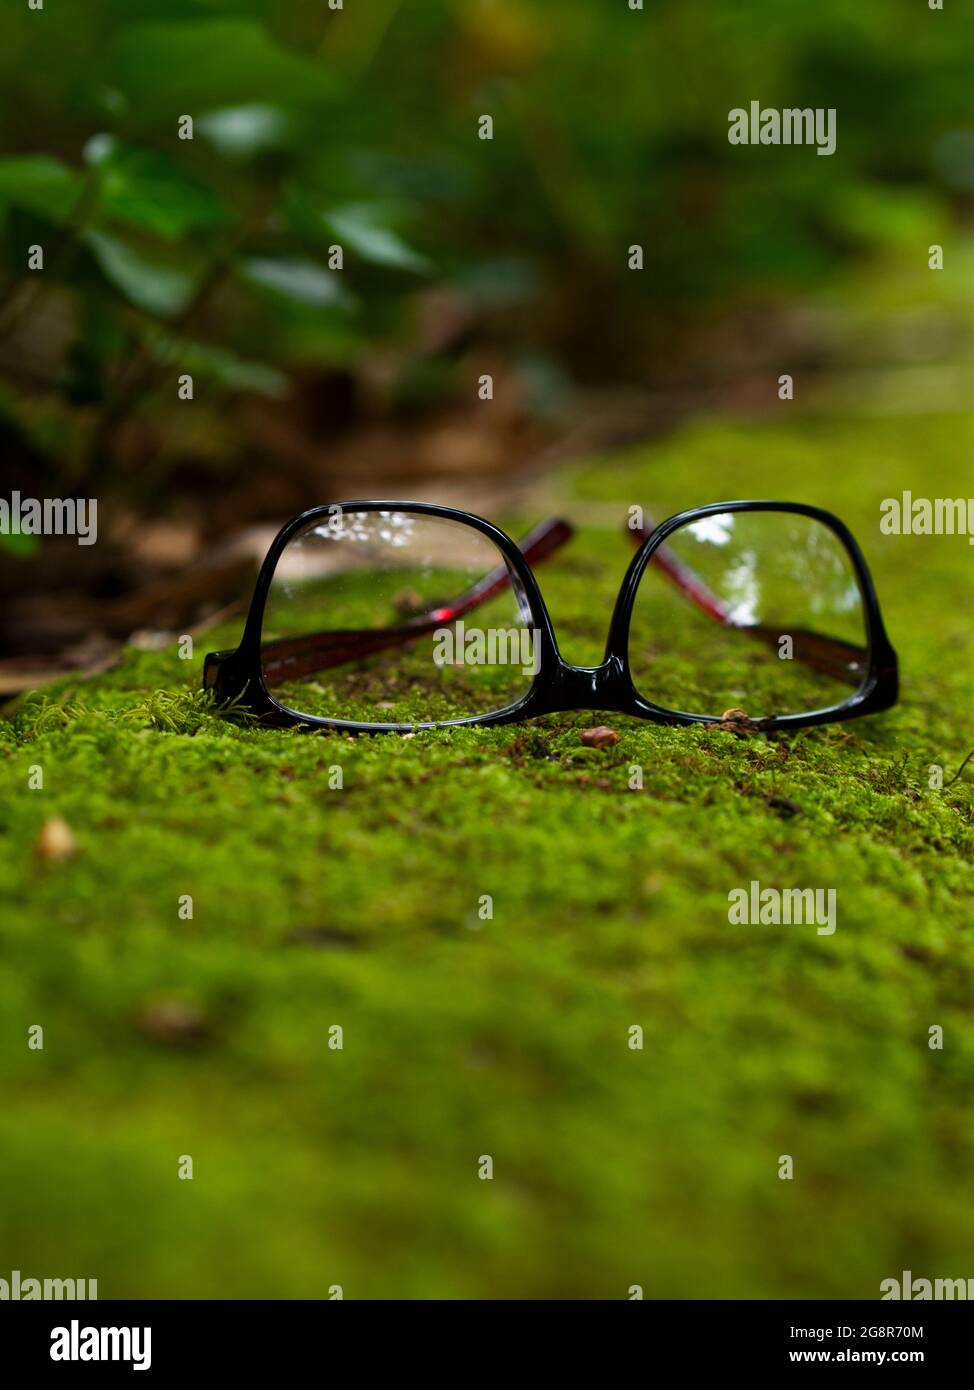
(314, 129)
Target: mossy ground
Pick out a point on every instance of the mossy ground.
(359, 907)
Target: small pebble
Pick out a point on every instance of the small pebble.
(56, 841)
(600, 737)
(738, 721)
(173, 1021)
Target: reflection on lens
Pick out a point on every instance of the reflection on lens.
(394, 617)
(756, 611)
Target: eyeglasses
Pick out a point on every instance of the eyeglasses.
(391, 616)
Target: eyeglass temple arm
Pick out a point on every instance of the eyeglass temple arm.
(843, 660)
(291, 658)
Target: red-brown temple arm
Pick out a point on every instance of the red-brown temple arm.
(843, 660)
(292, 658)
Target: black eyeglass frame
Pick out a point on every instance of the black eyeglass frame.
(237, 676)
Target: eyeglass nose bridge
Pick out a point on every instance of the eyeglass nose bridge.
(589, 687)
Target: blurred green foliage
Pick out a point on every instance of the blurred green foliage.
(315, 127)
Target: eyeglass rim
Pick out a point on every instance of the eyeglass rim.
(558, 687)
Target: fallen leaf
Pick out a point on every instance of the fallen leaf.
(18, 674)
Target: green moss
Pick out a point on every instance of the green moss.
(315, 906)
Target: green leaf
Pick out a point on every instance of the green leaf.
(225, 368)
(19, 545)
(885, 216)
(304, 281)
(170, 68)
(40, 185)
(363, 227)
(159, 289)
(150, 190)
